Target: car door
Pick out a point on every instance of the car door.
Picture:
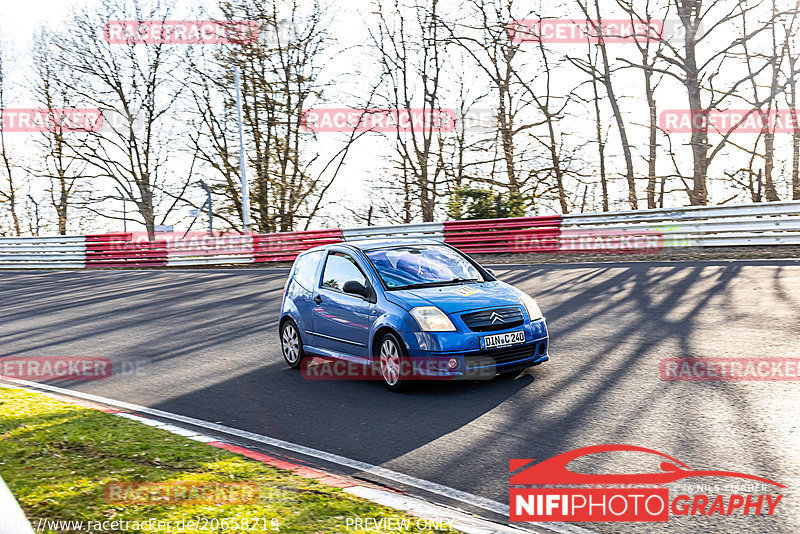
(342, 321)
(305, 275)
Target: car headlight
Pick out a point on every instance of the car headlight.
(432, 319)
(530, 304)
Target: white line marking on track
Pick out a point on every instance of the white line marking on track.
(425, 485)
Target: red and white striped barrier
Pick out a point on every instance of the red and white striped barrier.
(764, 224)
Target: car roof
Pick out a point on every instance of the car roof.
(371, 244)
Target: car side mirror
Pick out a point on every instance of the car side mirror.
(491, 271)
(356, 288)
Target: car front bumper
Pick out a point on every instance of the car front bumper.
(478, 364)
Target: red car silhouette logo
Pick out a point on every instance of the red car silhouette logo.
(553, 471)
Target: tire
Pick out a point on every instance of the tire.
(291, 344)
(393, 363)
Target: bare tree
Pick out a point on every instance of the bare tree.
(410, 47)
(482, 32)
(60, 164)
(9, 193)
(601, 139)
(533, 158)
(464, 151)
(793, 68)
(767, 108)
(791, 24)
(280, 78)
(212, 137)
(131, 82)
(603, 73)
(648, 49)
(551, 106)
(702, 69)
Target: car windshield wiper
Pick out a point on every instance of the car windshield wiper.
(437, 283)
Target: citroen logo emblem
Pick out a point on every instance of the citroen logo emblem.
(495, 317)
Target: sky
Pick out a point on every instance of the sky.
(20, 18)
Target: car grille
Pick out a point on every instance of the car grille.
(505, 355)
(503, 318)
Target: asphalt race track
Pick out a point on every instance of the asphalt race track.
(203, 343)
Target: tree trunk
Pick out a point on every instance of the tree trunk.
(63, 201)
(601, 147)
(11, 196)
(506, 136)
(698, 142)
(795, 142)
(557, 170)
(651, 156)
(623, 135)
(769, 162)
(698, 195)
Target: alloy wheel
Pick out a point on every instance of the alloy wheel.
(290, 342)
(390, 362)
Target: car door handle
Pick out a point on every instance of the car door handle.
(318, 299)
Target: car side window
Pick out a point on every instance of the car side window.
(305, 269)
(341, 268)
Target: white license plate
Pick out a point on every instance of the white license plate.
(503, 340)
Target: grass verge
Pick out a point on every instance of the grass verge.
(57, 459)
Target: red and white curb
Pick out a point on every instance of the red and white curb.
(397, 499)
(304, 471)
(458, 521)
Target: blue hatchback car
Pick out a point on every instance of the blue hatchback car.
(407, 310)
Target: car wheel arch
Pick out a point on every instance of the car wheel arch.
(378, 335)
(289, 316)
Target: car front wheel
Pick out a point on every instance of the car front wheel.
(291, 344)
(394, 364)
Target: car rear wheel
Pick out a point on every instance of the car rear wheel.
(394, 364)
(291, 344)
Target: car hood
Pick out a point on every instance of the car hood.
(458, 298)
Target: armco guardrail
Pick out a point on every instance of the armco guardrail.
(285, 246)
(62, 252)
(397, 231)
(492, 236)
(119, 250)
(772, 223)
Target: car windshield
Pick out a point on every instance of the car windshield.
(411, 266)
